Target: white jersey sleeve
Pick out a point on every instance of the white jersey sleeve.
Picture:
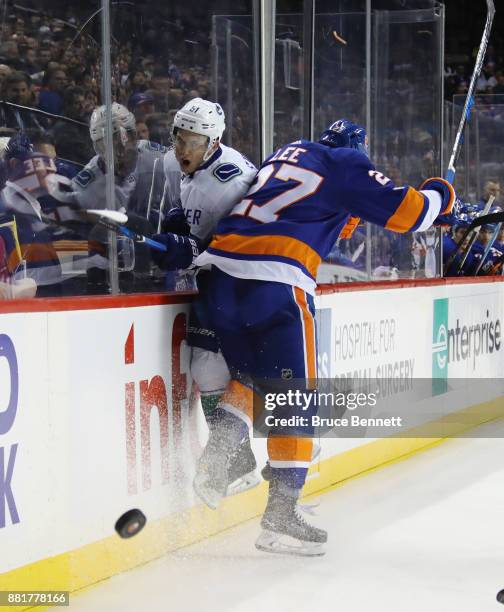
(89, 185)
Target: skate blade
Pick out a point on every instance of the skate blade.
(315, 452)
(272, 542)
(206, 492)
(249, 481)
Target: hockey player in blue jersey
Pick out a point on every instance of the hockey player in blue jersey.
(452, 237)
(265, 256)
(497, 256)
(487, 250)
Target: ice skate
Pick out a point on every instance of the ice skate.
(285, 531)
(211, 478)
(242, 474)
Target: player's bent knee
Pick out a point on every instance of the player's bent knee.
(209, 371)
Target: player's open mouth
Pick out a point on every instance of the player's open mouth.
(186, 163)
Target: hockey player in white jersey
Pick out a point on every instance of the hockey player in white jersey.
(204, 180)
(204, 177)
(138, 188)
(138, 166)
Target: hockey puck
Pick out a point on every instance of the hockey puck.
(130, 523)
(500, 596)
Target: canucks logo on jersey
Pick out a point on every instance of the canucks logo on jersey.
(225, 172)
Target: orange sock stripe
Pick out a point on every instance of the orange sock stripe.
(309, 334)
(240, 397)
(289, 448)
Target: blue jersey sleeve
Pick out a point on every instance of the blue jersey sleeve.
(374, 197)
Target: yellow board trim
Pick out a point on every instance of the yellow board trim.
(85, 566)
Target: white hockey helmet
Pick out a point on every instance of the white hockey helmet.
(122, 121)
(201, 117)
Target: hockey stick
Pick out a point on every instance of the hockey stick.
(109, 219)
(479, 221)
(469, 103)
(60, 188)
(488, 247)
(474, 235)
(114, 220)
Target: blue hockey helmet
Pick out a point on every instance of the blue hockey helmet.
(344, 133)
(466, 216)
(18, 147)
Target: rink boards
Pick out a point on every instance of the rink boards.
(96, 415)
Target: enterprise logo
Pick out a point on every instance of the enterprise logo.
(440, 347)
(462, 342)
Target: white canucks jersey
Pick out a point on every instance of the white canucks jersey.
(208, 194)
(134, 192)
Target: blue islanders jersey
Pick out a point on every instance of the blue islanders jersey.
(476, 254)
(300, 203)
(493, 262)
(449, 247)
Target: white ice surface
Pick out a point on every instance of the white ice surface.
(426, 534)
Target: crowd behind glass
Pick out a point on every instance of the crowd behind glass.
(50, 83)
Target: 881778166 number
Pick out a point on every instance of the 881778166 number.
(34, 598)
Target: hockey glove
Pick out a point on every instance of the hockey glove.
(181, 250)
(450, 204)
(137, 223)
(451, 218)
(175, 222)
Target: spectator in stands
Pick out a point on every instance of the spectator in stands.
(71, 139)
(90, 101)
(137, 81)
(159, 126)
(499, 88)
(9, 54)
(44, 56)
(142, 131)
(17, 89)
(29, 59)
(4, 72)
(490, 188)
(141, 105)
(51, 96)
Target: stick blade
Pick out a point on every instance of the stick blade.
(110, 215)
